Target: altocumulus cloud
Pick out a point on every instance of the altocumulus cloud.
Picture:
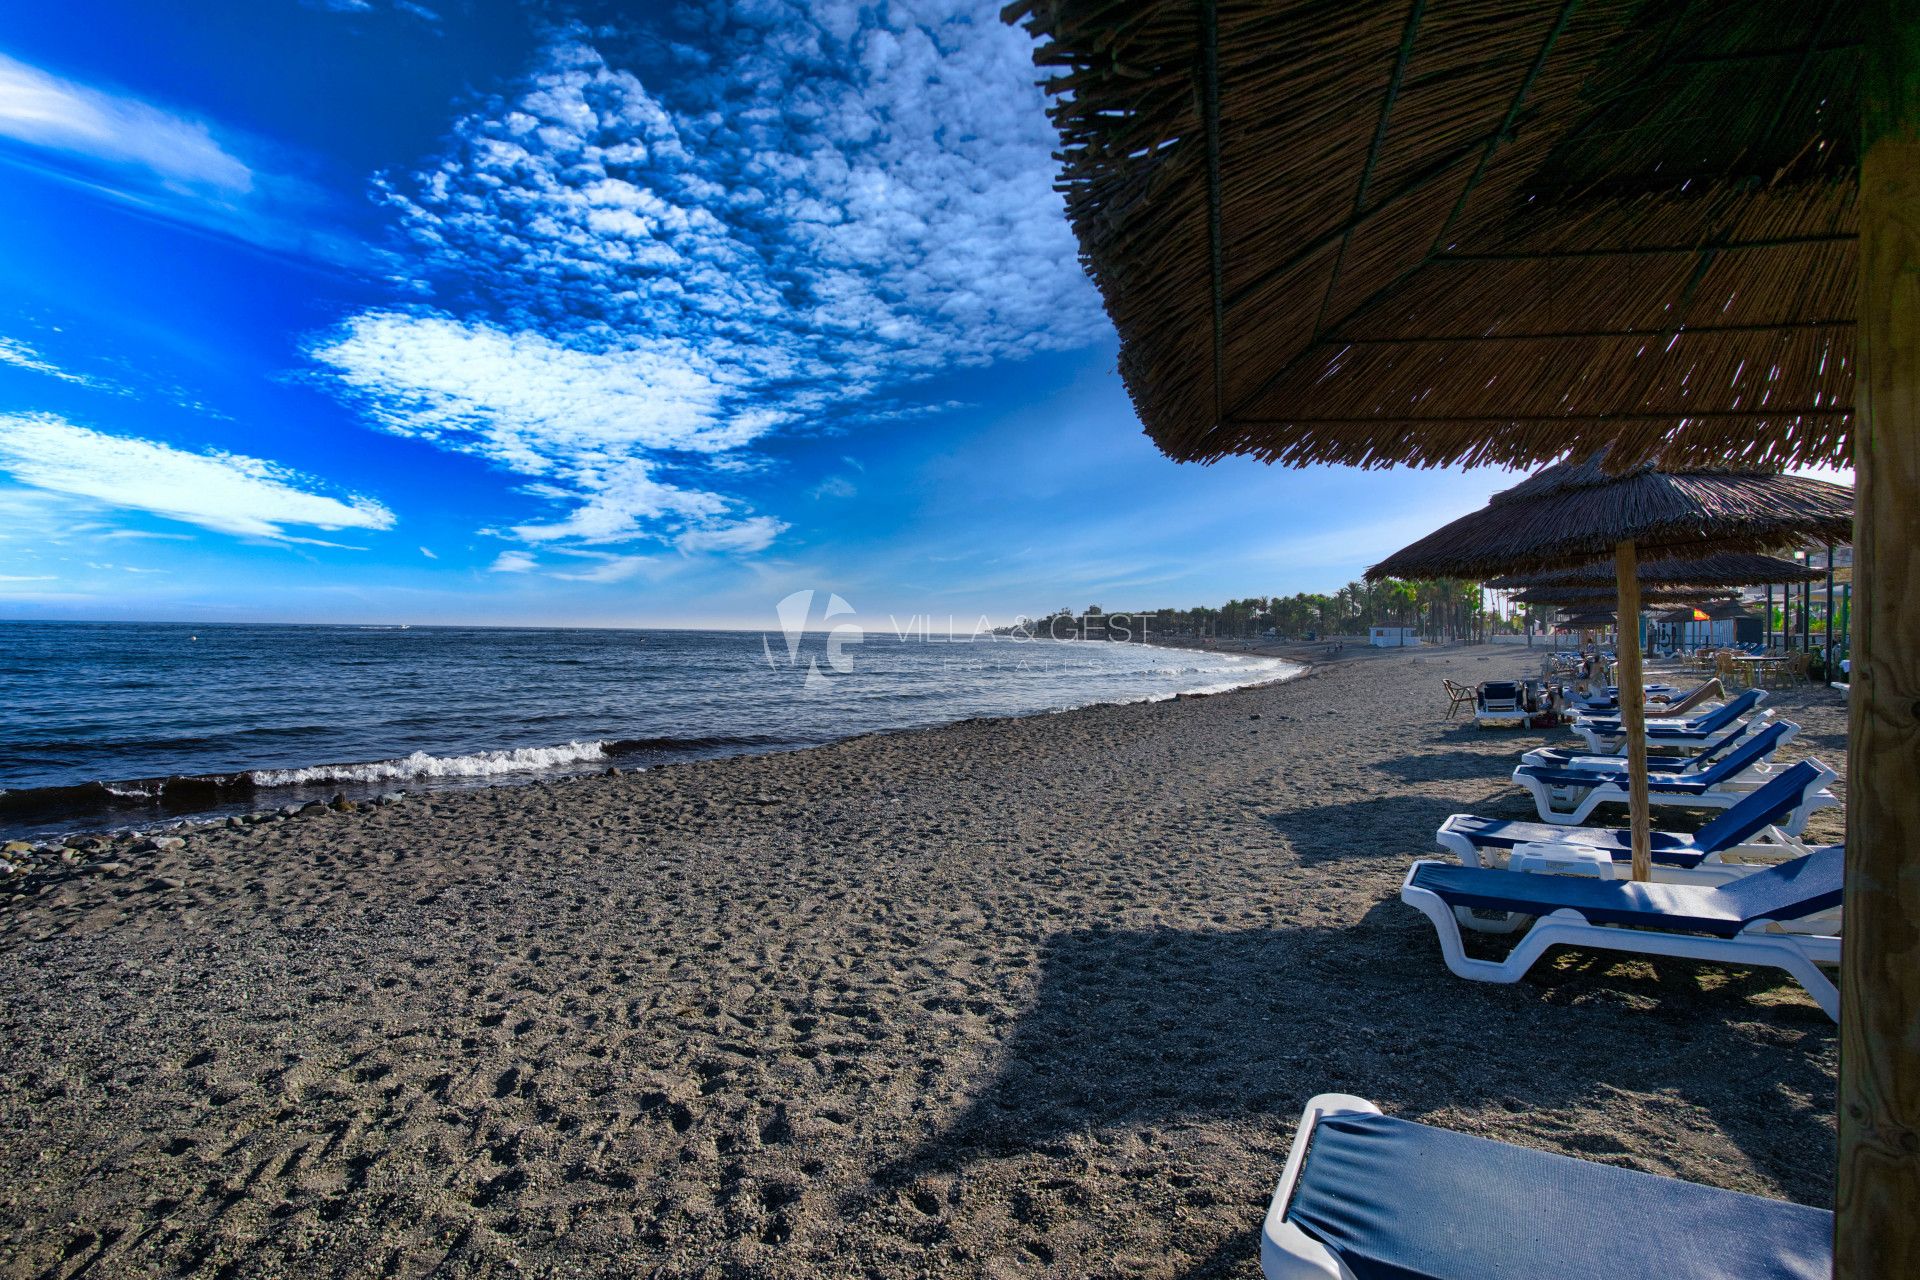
(222, 491)
(663, 246)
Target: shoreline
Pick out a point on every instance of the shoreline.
(212, 798)
(1003, 998)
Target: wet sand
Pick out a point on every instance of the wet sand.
(1004, 998)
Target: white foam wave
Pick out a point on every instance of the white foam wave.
(481, 764)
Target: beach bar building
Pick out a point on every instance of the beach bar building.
(1394, 637)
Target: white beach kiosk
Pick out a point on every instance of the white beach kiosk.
(1394, 637)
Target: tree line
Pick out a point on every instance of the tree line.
(1438, 609)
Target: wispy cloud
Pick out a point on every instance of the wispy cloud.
(428, 553)
(226, 492)
(754, 534)
(408, 7)
(163, 162)
(513, 562)
(629, 282)
(610, 568)
(21, 355)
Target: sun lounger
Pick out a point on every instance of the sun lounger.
(1497, 705)
(1564, 758)
(1606, 701)
(1568, 796)
(1365, 1196)
(1749, 829)
(1606, 736)
(1748, 922)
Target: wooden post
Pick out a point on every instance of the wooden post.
(1877, 1197)
(1633, 711)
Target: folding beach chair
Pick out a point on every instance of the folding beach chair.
(1686, 761)
(1772, 918)
(1569, 796)
(1458, 696)
(1606, 735)
(1749, 830)
(1365, 1196)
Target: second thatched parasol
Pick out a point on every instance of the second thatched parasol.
(1571, 514)
(1728, 569)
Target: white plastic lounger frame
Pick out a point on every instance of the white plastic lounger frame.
(1607, 740)
(1759, 944)
(1547, 756)
(1766, 848)
(1570, 806)
(1287, 1252)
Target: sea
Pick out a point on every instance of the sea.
(108, 726)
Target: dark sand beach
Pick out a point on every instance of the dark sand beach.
(1039, 997)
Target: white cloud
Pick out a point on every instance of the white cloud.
(43, 110)
(755, 534)
(611, 568)
(27, 577)
(628, 287)
(164, 162)
(513, 562)
(834, 487)
(23, 356)
(226, 492)
(428, 554)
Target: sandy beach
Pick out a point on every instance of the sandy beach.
(1035, 997)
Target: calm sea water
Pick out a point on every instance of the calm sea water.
(105, 725)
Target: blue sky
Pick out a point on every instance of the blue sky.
(547, 313)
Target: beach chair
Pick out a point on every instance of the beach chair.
(1497, 705)
(1567, 797)
(1750, 829)
(1366, 1196)
(1781, 917)
(1606, 735)
(1681, 762)
(1458, 696)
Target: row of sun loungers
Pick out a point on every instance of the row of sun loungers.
(1365, 1196)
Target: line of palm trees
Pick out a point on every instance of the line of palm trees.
(1437, 608)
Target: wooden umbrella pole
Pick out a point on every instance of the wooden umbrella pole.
(1876, 1228)
(1633, 712)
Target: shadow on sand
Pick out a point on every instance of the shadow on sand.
(1137, 1028)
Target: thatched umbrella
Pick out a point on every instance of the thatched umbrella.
(1570, 514)
(1728, 569)
(1606, 597)
(1461, 232)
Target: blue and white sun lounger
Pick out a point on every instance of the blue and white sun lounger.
(1569, 796)
(1779, 917)
(1750, 830)
(1607, 700)
(1678, 762)
(1607, 736)
(1366, 1196)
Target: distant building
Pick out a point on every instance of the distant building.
(1393, 637)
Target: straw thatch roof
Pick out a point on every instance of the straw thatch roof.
(1440, 231)
(1729, 569)
(1607, 597)
(1716, 611)
(1569, 515)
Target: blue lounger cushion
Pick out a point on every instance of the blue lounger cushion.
(1680, 782)
(1737, 759)
(1787, 891)
(1712, 722)
(1769, 804)
(1396, 1200)
(1771, 736)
